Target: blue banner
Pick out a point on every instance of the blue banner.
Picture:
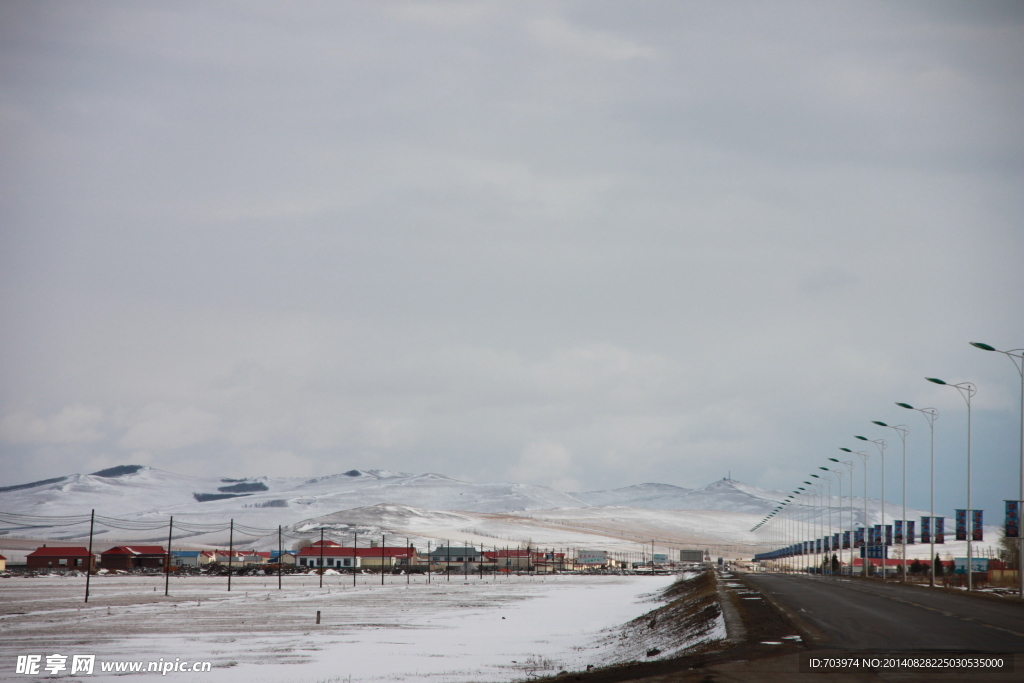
(926, 530)
(899, 532)
(858, 538)
(835, 541)
(846, 540)
(1012, 524)
(940, 529)
(910, 531)
(888, 534)
(977, 530)
(961, 525)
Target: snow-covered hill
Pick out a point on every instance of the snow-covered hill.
(132, 490)
(424, 507)
(725, 494)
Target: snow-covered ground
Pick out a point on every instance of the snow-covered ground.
(502, 629)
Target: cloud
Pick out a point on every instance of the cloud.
(545, 462)
(162, 428)
(589, 242)
(72, 424)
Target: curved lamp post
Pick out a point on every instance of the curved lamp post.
(815, 520)
(967, 391)
(838, 473)
(828, 482)
(880, 445)
(1016, 355)
(931, 415)
(902, 431)
(863, 456)
(849, 466)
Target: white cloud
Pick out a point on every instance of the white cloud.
(545, 462)
(161, 428)
(72, 424)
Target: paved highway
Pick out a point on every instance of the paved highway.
(869, 615)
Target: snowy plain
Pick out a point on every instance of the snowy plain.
(459, 630)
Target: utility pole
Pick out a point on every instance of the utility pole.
(167, 572)
(231, 552)
(88, 562)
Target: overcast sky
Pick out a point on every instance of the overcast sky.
(578, 244)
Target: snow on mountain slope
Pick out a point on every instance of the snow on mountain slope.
(725, 494)
(653, 496)
(147, 491)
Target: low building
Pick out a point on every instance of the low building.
(372, 557)
(388, 557)
(285, 558)
(3, 563)
(457, 558)
(53, 557)
(192, 558)
(328, 556)
(549, 561)
(509, 559)
(134, 557)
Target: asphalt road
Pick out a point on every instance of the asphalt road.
(854, 614)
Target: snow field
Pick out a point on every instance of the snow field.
(502, 629)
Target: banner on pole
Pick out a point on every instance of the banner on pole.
(817, 542)
(846, 540)
(940, 529)
(899, 532)
(877, 540)
(888, 534)
(977, 530)
(961, 525)
(1012, 525)
(835, 541)
(926, 530)
(858, 538)
(825, 541)
(910, 531)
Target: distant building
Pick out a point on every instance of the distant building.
(192, 558)
(61, 558)
(3, 563)
(370, 557)
(134, 557)
(458, 558)
(284, 558)
(330, 555)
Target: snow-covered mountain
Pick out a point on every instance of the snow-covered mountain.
(725, 494)
(135, 489)
(425, 508)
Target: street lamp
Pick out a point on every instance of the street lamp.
(967, 391)
(849, 466)
(902, 431)
(931, 415)
(864, 457)
(880, 445)
(1014, 356)
(838, 473)
(828, 482)
(819, 489)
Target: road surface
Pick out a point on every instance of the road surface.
(858, 614)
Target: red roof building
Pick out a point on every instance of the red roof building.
(55, 557)
(134, 557)
(336, 556)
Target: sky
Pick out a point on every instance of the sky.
(576, 244)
